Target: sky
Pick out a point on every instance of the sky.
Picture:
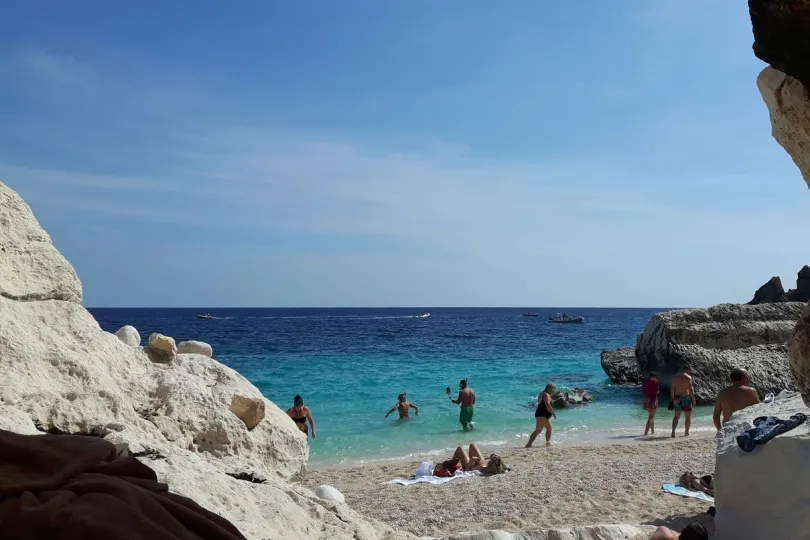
(419, 153)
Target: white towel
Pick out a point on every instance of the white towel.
(435, 480)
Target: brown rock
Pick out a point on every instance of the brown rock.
(782, 35)
(799, 354)
(161, 349)
(249, 410)
(771, 292)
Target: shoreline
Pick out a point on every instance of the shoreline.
(548, 487)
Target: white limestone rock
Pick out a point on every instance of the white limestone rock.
(31, 268)
(161, 349)
(800, 354)
(129, 335)
(248, 409)
(328, 493)
(195, 347)
(763, 494)
(590, 532)
(788, 104)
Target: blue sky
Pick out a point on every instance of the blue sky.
(416, 153)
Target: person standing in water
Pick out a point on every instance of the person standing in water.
(543, 414)
(300, 414)
(682, 397)
(650, 389)
(737, 396)
(466, 399)
(404, 406)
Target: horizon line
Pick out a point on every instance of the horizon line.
(388, 307)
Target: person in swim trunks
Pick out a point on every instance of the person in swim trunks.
(682, 396)
(466, 399)
(300, 414)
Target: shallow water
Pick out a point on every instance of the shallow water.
(350, 364)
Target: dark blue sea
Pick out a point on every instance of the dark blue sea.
(350, 364)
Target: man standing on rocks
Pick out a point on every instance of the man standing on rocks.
(737, 396)
(682, 399)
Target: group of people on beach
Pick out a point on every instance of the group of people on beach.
(682, 398)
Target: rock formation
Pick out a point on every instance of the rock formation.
(799, 354)
(757, 493)
(566, 398)
(590, 532)
(63, 374)
(771, 292)
(716, 339)
(802, 291)
(195, 347)
(621, 366)
(129, 335)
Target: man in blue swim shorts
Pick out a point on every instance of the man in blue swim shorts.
(682, 396)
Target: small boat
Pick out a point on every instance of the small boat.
(423, 315)
(564, 318)
(527, 314)
(205, 316)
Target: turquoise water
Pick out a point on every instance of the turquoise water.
(350, 364)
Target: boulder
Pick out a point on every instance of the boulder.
(771, 292)
(713, 340)
(621, 366)
(799, 354)
(780, 29)
(328, 493)
(589, 532)
(758, 494)
(250, 410)
(129, 335)
(161, 349)
(30, 266)
(63, 374)
(565, 398)
(802, 291)
(195, 347)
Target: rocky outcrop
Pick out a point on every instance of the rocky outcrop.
(757, 493)
(129, 335)
(195, 347)
(802, 291)
(621, 366)
(63, 374)
(799, 354)
(771, 292)
(249, 410)
(591, 532)
(161, 349)
(566, 398)
(713, 340)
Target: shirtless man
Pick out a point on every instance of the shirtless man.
(683, 396)
(404, 407)
(737, 396)
(466, 398)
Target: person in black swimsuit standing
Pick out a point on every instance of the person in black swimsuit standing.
(300, 414)
(542, 416)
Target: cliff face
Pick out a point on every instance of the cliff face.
(63, 374)
(714, 340)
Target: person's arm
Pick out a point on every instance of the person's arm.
(456, 401)
(672, 391)
(311, 423)
(692, 393)
(718, 408)
(473, 397)
(392, 410)
(756, 395)
(550, 407)
(416, 408)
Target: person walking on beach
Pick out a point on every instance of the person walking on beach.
(542, 416)
(466, 399)
(404, 406)
(682, 399)
(650, 389)
(300, 414)
(737, 396)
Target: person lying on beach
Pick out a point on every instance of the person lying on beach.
(300, 414)
(693, 531)
(693, 482)
(466, 399)
(473, 460)
(737, 396)
(404, 406)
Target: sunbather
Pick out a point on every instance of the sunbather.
(693, 482)
(474, 460)
(693, 531)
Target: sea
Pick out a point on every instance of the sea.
(349, 365)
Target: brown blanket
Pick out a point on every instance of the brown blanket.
(74, 487)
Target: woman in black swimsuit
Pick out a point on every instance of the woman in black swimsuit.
(300, 414)
(542, 416)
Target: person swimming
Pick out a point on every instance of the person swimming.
(404, 406)
(300, 415)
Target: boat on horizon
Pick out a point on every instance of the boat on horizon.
(528, 314)
(564, 318)
(205, 316)
(423, 315)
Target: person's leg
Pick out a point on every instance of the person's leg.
(548, 431)
(650, 415)
(675, 421)
(475, 452)
(461, 455)
(537, 430)
(652, 421)
(687, 422)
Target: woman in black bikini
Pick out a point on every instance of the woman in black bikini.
(300, 414)
(542, 416)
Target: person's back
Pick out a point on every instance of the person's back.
(734, 398)
(467, 397)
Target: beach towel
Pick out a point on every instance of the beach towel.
(435, 480)
(675, 489)
(71, 487)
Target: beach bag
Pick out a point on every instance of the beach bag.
(425, 469)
